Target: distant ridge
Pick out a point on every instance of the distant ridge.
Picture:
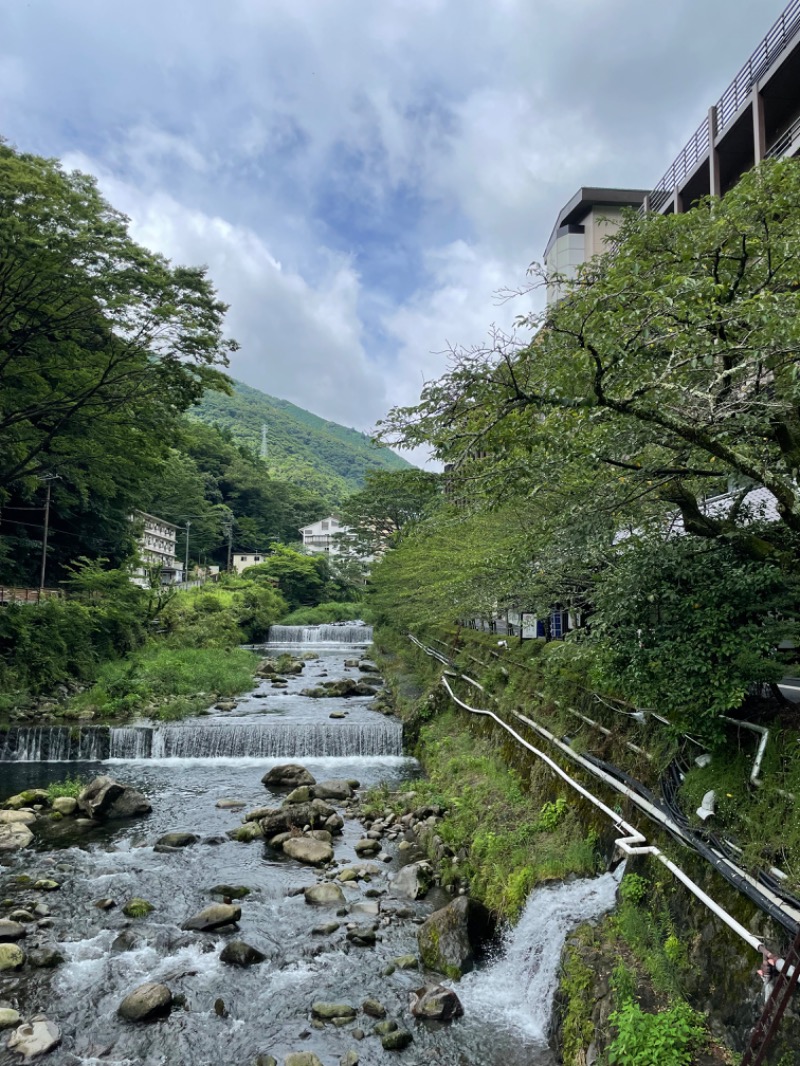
(302, 447)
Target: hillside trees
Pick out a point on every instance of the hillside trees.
(667, 375)
(390, 503)
(102, 345)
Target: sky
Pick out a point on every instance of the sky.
(362, 177)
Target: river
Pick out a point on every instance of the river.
(185, 769)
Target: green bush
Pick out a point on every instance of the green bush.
(323, 614)
(665, 1039)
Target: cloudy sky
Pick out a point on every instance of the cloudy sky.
(362, 176)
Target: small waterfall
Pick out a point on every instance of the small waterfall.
(332, 634)
(274, 741)
(54, 744)
(517, 989)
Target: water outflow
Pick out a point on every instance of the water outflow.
(275, 740)
(333, 634)
(517, 990)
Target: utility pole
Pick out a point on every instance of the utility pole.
(48, 479)
(230, 545)
(264, 452)
(186, 568)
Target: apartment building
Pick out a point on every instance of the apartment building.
(320, 537)
(155, 540)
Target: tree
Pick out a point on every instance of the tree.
(390, 503)
(102, 342)
(301, 579)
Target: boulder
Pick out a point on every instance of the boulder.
(246, 833)
(301, 1058)
(230, 804)
(374, 1008)
(232, 891)
(172, 841)
(333, 790)
(367, 847)
(324, 895)
(299, 815)
(325, 929)
(9, 1018)
(329, 1011)
(436, 1002)
(238, 953)
(11, 957)
(14, 836)
(11, 930)
(397, 1040)
(214, 917)
(363, 936)
(414, 880)
(148, 1001)
(452, 939)
(406, 962)
(306, 849)
(265, 1060)
(46, 958)
(350, 1058)
(137, 908)
(65, 805)
(34, 1038)
(47, 884)
(288, 776)
(301, 794)
(27, 799)
(22, 817)
(106, 798)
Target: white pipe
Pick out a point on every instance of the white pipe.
(635, 841)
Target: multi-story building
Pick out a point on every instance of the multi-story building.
(241, 560)
(156, 550)
(321, 536)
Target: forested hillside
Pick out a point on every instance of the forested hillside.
(324, 457)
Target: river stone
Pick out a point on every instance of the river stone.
(301, 1058)
(367, 847)
(105, 904)
(279, 840)
(337, 715)
(374, 1008)
(333, 790)
(406, 962)
(436, 1002)
(137, 908)
(230, 804)
(46, 958)
(363, 936)
(348, 874)
(27, 799)
(47, 884)
(414, 880)
(452, 939)
(9, 1017)
(11, 930)
(366, 908)
(324, 895)
(14, 836)
(214, 917)
(35, 1038)
(302, 794)
(21, 916)
(397, 1040)
(289, 775)
(265, 1060)
(258, 813)
(308, 850)
(232, 891)
(65, 805)
(325, 929)
(106, 798)
(238, 953)
(349, 1059)
(170, 841)
(17, 817)
(382, 1028)
(245, 834)
(11, 957)
(299, 815)
(151, 1000)
(328, 1011)
(334, 824)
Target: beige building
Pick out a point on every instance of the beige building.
(241, 560)
(320, 537)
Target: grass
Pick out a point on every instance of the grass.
(167, 683)
(323, 614)
(70, 786)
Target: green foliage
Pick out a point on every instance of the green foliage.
(168, 683)
(323, 614)
(321, 457)
(300, 578)
(137, 908)
(70, 786)
(104, 343)
(665, 1039)
(390, 503)
(644, 922)
(633, 888)
(577, 1030)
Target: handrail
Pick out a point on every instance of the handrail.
(734, 97)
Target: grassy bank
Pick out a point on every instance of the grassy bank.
(323, 614)
(166, 683)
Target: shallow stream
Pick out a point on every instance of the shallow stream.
(185, 770)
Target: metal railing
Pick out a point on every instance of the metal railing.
(13, 594)
(728, 105)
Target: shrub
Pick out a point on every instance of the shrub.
(665, 1039)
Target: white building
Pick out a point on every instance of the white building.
(155, 542)
(321, 536)
(241, 560)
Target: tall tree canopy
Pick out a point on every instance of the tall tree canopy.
(389, 503)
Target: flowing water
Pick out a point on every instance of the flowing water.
(184, 770)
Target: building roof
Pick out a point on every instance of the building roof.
(576, 209)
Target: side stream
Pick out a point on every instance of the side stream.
(230, 1014)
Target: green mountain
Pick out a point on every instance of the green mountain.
(302, 448)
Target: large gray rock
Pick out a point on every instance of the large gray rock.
(324, 895)
(306, 849)
(333, 790)
(34, 1038)
(301, 1058)
(65, 805)
(298, 815)
(150, 1000)
(214, 917)
(414, 880)
(9, 1018)
(14, 835)
(11, 930)
(436, 1002)
(452, 939)
(289, 775)
(367, 847)
(238, 953)
(171, 841)
(106, 798)
(329, 1011)
(22, 817)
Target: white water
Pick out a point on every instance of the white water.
(516, 991)
(332, 634)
